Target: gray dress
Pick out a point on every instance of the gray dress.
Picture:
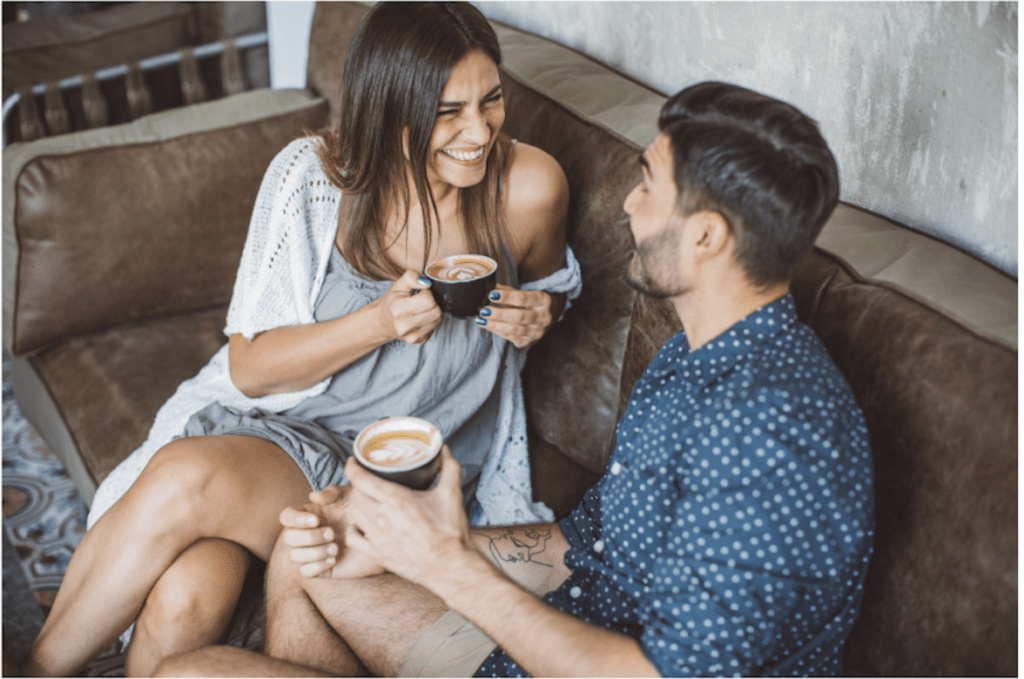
(450, 380)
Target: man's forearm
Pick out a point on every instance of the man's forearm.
(532, 555)
(544, 640)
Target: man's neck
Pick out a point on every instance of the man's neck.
(708, 311)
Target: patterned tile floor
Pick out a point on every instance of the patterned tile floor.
(43, 519)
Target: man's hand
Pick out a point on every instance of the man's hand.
(423, 537)
(314, 533)
(418, 535)
(520, 316)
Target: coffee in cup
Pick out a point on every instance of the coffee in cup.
(401, 449)
(460, 283)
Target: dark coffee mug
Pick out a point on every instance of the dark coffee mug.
(404, 450)
(460, 283)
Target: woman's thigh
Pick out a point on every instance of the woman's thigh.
(234, 487)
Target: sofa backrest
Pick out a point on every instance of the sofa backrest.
(924, 333)
(940, 398)
(156, 236)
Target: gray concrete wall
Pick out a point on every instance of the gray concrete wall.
(918, 100)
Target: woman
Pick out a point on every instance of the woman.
(327, 334)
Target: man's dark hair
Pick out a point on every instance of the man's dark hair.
(759, 162)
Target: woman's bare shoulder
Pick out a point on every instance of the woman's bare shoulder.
(537, 201)
(535, 179)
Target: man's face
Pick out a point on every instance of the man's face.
(656, 224)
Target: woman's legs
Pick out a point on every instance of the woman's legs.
(230, 487)
(190, 606)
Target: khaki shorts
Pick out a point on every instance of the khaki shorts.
(451, 647)
(455, 647)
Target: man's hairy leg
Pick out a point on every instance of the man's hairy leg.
(296, 631)
(381, 617)
(229, 661)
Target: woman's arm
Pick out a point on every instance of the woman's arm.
(276, 346)
(295, 357)
(536, 204)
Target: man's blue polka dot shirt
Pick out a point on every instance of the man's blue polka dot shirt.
(732, 531)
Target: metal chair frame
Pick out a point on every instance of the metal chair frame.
(243, 42)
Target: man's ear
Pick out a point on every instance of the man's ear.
(710, 233)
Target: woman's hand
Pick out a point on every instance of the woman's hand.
(315, 535)
(520, 316)
(295, 357)
(405, 313)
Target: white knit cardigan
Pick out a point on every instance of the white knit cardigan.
(282, 269)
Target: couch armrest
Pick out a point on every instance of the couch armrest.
(139, 220)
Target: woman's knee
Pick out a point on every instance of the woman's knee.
(200, 588)
(180, 480)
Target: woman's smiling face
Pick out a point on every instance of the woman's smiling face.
(469, 117)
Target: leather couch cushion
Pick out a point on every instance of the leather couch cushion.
(59, 47)
(159, 227)
(572, 377)
(941, 410)
(105, 388)
(942, 277)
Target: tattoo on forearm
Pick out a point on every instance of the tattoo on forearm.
(518, 545)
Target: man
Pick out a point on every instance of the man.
(732, 531)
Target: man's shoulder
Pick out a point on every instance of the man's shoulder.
(796, 361)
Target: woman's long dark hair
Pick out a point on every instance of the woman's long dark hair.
(398, 65)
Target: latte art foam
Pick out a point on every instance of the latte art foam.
(397, 449)
(460, 269)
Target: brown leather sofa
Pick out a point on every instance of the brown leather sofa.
(120, 249)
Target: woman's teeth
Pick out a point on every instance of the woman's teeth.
(463, 155)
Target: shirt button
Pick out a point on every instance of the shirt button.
(575, 592)
(616, 468)
(599, 546)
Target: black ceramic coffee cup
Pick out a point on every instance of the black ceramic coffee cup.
(460, 283)
(404, 450)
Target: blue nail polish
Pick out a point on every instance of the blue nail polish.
(495, 296)
(423, 280)
(480, 321)
(485, 312)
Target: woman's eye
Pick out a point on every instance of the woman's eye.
(496, 97)
(447, 112)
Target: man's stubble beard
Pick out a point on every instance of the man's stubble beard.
(653, 270)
